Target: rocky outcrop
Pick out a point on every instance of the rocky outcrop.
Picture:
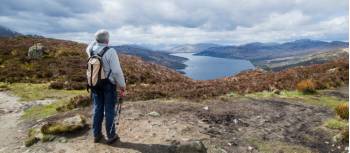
(36, 51)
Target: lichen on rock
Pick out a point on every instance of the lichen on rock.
(50, 130)
(36, 51)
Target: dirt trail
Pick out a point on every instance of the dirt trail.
(11, 133)
(223, 126)
(12, 129)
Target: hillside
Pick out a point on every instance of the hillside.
(164, 111)
(260, 51)
(191, 48)
(64, 66)
(162, 58)
(278, 64)
(6, 32)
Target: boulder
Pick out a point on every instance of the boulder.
(194, 146)
(154, 114)
(67, 125)
(36, 51)
(276, 91)
(47, 131)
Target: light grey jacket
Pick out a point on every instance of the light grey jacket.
(110, 62)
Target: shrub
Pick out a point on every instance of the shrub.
(342, 111)
(73, 85)
(345, 135)
(306, 86)
(56, 85)
(76, 102)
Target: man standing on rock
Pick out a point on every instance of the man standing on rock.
(105, 97)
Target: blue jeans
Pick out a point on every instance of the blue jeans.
(104, 101)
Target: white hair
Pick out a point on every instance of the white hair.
(102, 36)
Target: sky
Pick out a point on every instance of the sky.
(164, 22)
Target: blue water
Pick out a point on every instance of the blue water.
(207, 68)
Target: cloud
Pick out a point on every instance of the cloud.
(180, 21)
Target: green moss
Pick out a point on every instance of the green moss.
(48, 138)
(57, 128)
(277, 146)
(3, 86)
(42, 111)
(335, 124)
(61, 127)
(30, 141)
(30, 92)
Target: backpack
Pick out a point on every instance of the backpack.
(95, 73)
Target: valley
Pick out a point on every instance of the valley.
(165, 111)
(174, 76)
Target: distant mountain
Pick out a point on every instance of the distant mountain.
(191, 48)
(278, 64)
(6, 32)
(263, 51)
(157, 57)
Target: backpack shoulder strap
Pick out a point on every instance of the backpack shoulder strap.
(91, 52)
(104, 50)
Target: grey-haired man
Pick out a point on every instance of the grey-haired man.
(105, 99)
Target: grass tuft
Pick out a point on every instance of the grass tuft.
(342, 110)
(306, 87)
(335, 124)
(345, 135)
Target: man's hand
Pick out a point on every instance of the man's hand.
(122, 92)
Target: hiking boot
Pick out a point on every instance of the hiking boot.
(97, 139)
(114, 139)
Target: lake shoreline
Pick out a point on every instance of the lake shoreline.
(208, 68)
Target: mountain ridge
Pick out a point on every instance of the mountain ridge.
(256, 50)
(162, 58)
(6, 32)
(191, 48)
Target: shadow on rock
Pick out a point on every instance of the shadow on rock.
(144, 148)
(177, 147)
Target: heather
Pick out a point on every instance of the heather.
(63, 67)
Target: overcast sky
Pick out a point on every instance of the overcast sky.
(180, 21)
